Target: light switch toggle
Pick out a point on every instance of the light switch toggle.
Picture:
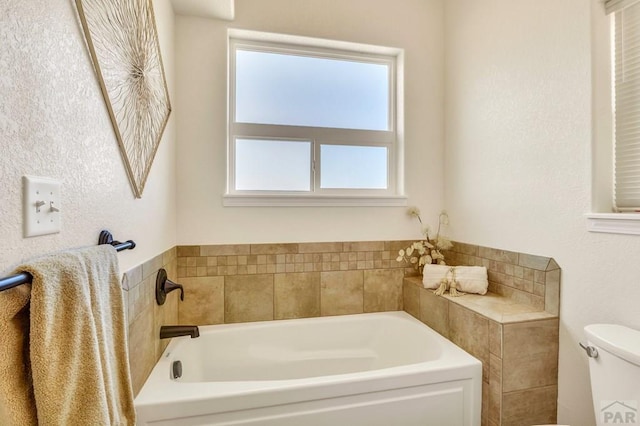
(52, 208)
(38, 205)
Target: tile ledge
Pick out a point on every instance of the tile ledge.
(497, 312)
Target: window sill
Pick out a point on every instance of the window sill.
(237, 200)
(614, 223)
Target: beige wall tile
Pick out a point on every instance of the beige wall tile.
(552, 265)
(467, 249)
(470, 331)
(518, 271)
(539, 289)
(166, 314)
(142, 348)
(186, 251)
(320, 247)
(393, 247)
(484, 411)
(530, 407)
(498, 255)
(552, 292)
(296, 295)
(151, 266)
(534, 262)
(364, 246)
(203, 301)
(530, 355)
(225, 250)
(495, 338)
(517, 296)
(383, 290)
(434, 311)
(341, 293)
(501, 267)
(499, 278)
(132, 278)
(140, 298)
(527, 316)
(274, 248)
(538, 276)
(169, 255)
(495, 389)
(411, 297)
(131, 296)
(248, 298)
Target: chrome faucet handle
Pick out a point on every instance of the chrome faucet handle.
(591, 351)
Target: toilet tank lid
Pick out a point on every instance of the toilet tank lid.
(619, 340)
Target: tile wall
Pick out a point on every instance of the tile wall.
(528, 279)
(144, 316)
(257, 282)
(513, 330)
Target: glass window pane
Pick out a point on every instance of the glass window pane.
(273, 88)
(273, 165)
(359, 167)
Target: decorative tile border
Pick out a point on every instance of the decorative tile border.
(251, 259)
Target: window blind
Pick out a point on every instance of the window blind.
(616, 5)
(626, 72)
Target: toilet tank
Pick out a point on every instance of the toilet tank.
(615, 373)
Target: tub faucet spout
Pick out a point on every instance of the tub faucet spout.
(169, 331)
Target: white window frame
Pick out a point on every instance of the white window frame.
(318, 136)
(605, 218)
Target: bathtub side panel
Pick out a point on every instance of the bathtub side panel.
(442, 404)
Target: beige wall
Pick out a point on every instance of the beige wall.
(201, 120)
(53, 122)
(518, 161)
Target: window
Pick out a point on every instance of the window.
(312, 122)
(616, 91)
(626, 105)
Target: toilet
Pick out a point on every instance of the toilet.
(614, 366)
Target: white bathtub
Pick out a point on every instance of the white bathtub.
(376, 369)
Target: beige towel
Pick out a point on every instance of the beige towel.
(75, 369)
(467, 279)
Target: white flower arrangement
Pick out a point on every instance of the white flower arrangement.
(429, 250)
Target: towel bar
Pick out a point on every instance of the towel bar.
(24, 277)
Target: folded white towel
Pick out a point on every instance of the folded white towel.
(432, 275)
(471, 279)
(467, 279)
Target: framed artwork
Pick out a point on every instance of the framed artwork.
(123, 42)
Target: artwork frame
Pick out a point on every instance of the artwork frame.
(122, 39)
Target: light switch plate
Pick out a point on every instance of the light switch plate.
(41, 205)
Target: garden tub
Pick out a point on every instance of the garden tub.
(366, 369)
